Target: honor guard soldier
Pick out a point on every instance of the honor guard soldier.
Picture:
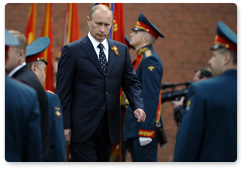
(141, 138)
(208, 131)
(22, 116)
(35, 59)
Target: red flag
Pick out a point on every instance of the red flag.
(71, 24)
(30, 29)
(118, 24)
(47, 31)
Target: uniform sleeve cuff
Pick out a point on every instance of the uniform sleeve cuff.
(146, 133)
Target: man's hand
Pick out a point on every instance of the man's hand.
(175, 104)
(67, 133)
(140, 115)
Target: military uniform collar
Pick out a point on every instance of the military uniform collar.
(229, 72)
(143, 49)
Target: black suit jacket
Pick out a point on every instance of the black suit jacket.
(28, 77)
(85, 92)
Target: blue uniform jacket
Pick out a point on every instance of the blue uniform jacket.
(208, 131)
(57, 138)
(149, 72)
(22, 123)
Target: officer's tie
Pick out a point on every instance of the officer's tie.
(102, 58)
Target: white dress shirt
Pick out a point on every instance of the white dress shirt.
(95, 44)
(16, 69)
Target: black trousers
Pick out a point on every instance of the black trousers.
(97, 148)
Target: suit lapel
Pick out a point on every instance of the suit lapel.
(112, 57)
(20, 71)
(90, 51)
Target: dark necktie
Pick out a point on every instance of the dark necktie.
(102, 59)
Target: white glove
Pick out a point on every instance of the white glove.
(144, 141)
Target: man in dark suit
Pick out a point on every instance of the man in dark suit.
(22, 117)
(16, 68)
(90, 73)
(208, 131)
(35, 60)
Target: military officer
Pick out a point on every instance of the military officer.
(17, 69)
(141, 138)
(22, 117)
(208, 131)
(35, 59)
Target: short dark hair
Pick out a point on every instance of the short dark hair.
(204, 72)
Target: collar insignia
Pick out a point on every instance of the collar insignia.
(142, 50)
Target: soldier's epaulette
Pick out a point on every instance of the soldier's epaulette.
(50, 92)
(142, 50)
(148, 53)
